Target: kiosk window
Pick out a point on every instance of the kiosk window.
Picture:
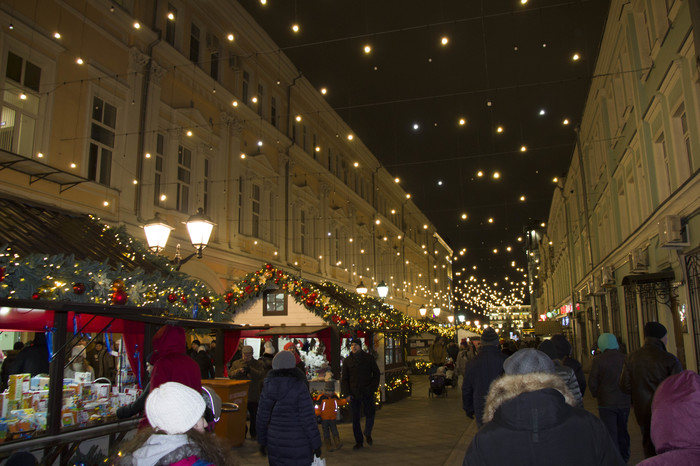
(393, 351)
(274, 303)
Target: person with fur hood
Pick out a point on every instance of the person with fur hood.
(530, 415)
(286, 423)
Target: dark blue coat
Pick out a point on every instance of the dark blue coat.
(478, 375)
(286, 421)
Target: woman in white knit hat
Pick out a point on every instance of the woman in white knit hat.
(176, 436)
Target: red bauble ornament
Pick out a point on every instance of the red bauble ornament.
(2, 273)
(205, 301)
(310, 302)
(79, 288)
(343, 322)
(119, 297)
(228, 298)
(184, 299)
(268, 266)
(335, 318)
(277, 281)
(35, 295)
(172, 297)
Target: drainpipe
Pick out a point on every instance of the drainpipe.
(142, 114)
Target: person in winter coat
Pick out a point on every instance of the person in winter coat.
(32, 359)
(206, 367)
(176, 436)
(530, 419)
(452, 350)
(7, 364)
(102, 362)
(675, 421)
(437, 353)
(248, 368)
(286, 423)
(565, 372)
(564, 355)
(360, 380)
(613, 404)
(170, 360)
(327, 408)
(463, 357)
(486, 367)
(643, 371)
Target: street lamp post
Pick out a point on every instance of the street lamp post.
(199, 227)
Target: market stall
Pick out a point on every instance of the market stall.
(53, 415)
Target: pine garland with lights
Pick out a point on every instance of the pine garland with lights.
(334, 304)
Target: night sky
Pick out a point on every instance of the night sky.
(430, 111)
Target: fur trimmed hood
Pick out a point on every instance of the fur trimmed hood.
(509, 387)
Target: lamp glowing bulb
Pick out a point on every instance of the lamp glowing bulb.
(230, 37)
(171, 16)
(367, 49)
(576, 57)
(444, 40)
(295, 27)
(324, 91)
(79, 61)
(523, 148)
(57, 35)
(462, 122)
(137, 25)
(189, 134)
(499, 129)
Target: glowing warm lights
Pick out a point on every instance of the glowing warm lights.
(105, 203)
(254, 99)
(555, 180)
(522, 198)
(136, 181)
(397, 180)
(464, 216)
(73, 165)
(479, 173)
(444, 40)
(367, 49)
(163, 197)
(496, 175)
(317, 148)
(490, 220)
(295, 27)
(23, 96)
(260, 143)
(356, 164)
(523, 2)
(137, 25)
(79, 61)
(324, 91)
(350, 137)
(234, 103)
(56, 35)
(189, 134)
(576, 57)
(425, 227)
(298, 118)
(408, 195)
(230, 37)
(39, 155)
(242, 155)
(523, 148)
(565, 122)
(462, 122)
(171, 16)
(416, 126)
(542, 112)
(499, 129)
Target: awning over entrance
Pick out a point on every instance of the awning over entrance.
(649, 277)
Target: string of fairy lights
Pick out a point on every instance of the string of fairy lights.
(472, 292)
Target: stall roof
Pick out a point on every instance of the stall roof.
(292, 330)
(42, 313)
(33, 228)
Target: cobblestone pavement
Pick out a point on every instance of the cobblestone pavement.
(418, 430)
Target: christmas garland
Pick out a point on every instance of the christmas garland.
(64, 278)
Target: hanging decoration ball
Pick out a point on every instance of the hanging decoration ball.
(268, 266)
(119, 297)
(35, 295)
(2, 274)
(229, 297)
(118, 284)
(183, 299)
(343, 322)
(79, 288)
(172, 297)
(268, 275)
(205, 301)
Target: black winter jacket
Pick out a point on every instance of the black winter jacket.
(286, 421)
(360, 375)
(530, 420)
(643, 371)
(604, 380)
(486, 367)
